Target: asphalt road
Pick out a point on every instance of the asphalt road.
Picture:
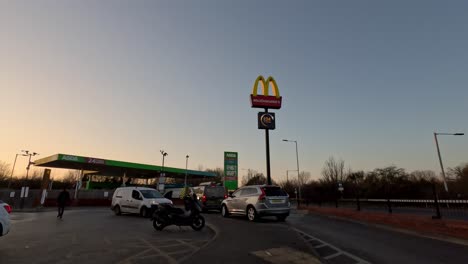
(238, 239)
(375, 245)
(98, 236)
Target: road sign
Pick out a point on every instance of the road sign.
(266, 120)
(230, 170)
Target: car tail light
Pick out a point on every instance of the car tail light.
(261, 198)
(203, 198)
(225, 196)
(7, 208)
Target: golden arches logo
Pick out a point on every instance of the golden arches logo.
(265, 86)
(265, 100)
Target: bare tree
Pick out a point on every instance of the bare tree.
(71, 176)
(304, 177)
(333, 171)
(250, 174)
(423, 175)
(4, 170)
(456, 172)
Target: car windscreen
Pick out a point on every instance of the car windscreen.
(216, 191)
(274, 191)
(151, 194)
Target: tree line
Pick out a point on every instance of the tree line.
(389, 182)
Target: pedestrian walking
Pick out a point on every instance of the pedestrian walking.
(62, 200)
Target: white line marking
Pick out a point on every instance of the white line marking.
(332, 255)
(357, 259)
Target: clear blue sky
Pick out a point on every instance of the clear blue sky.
(365, 81)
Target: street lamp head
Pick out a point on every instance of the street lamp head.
(459, 134)
(187, 156)
(285, 140)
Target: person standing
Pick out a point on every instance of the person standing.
(62, 200)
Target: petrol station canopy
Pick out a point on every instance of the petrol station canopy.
(106, 167)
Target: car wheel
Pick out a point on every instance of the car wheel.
(224, 211)
(251, 214)
(144, 212)
(117, 210)
(281, 218)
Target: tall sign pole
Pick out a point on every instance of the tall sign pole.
(266, 120)
(267, 144)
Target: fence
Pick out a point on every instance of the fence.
(448, 208)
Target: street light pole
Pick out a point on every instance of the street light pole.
(298, 171)
(186, 167)
(13, 169)
(164, 154)
(30, 154)
(438, 153)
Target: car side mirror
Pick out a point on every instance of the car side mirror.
(140, 197)
(232, 196)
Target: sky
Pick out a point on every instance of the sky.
(363, 81)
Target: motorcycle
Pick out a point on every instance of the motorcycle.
(167, 214)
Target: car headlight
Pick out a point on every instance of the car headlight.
(154, 202)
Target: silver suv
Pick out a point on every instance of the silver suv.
(256, 201)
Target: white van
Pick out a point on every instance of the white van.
(136, 200)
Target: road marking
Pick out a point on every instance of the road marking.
(336, 251)
(160, 252)
(187, 244)
(333, 255)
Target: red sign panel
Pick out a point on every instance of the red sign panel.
(265, 101)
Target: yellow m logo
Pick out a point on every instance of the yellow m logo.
(265, 86)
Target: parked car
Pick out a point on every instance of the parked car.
(136, 200)
(256, 201)
(5, 210)
(210, 196)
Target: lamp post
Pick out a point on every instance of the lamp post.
(298, 171)
(13, 169)
(164, 154)
(30, 154)
(186, 167)
(438, 152)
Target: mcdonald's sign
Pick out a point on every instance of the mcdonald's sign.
(265, 100)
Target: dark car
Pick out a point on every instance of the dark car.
(210, 196)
